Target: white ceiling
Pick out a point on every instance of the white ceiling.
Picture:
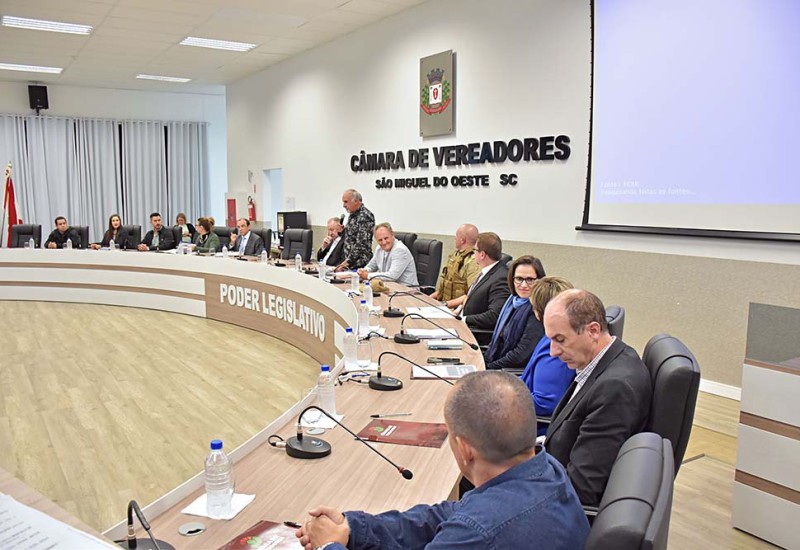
(141, 36)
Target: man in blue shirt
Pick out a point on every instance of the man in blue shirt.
(522, 498)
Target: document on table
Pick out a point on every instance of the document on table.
(431, 333)
(22, 527)
(450, 372)
(431, 312)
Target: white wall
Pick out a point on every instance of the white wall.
(138, 105)
(522, 70)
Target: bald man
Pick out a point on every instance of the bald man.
(460, 270)
(522, 498)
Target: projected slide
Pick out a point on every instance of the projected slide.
(696, 114)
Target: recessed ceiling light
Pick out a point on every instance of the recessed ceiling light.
(30, 68)
(163, 78)
(217, 44)
(41, 25)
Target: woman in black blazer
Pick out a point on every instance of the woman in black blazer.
(115, 233)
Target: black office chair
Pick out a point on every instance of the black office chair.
(21, 234)
(428, 257)
(297, 241)
(635, 510)
(83, 232)
(266, 236)
(505, 258)
(224, 234)
(615, 316)
(134, 234)
(676, 380)
(407, 239)
(177, 235)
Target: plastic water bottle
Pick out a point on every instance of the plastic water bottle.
(111, 245)
(69, 244)
(368, 293)
(350, 349)
(327, 390)
(363, 319)
(298, 262)
(321, 270)
(224, 251)
(264, 256)
(354, 280)
(31, 244)
(219, 482)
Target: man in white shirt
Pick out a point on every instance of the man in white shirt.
(392, 260)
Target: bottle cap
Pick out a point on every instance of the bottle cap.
(363, 301)
(216, 444)
(325, 368)
(367, 283)
(348, 330)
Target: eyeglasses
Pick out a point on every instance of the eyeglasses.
(527, 280)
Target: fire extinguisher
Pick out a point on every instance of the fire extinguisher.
(251, 209)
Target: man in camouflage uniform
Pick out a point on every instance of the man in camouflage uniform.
(460, 270)
(357, 233)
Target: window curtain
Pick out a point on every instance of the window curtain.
(13, 149)
(99, 181)
(187, 172)
(144, 169)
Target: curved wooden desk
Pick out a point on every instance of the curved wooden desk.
(298, 309)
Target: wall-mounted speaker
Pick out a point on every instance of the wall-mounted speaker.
(38, 98)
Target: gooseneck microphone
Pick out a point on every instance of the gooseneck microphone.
(397, 312)
(144, 544)
(378, 374)
(303, 446)
(403, 338)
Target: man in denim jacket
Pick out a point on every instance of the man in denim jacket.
(522, 499)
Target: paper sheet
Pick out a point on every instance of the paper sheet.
(199, 506)
(431, 312)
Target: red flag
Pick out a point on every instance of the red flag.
(10, 210)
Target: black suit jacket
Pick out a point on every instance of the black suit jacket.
(336, 257)
(166, 239)
(487, 298)
(588, 431)
(254, 246)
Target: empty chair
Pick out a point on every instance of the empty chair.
(676, 380)
(505, 258)
(133, 233)
(428, 257)
(635, 510)
(22, 233)
(83, 231)
(407, 239)
(266, 236)
(177, 235)
(224, 234)
(615, 316)
(297, 241)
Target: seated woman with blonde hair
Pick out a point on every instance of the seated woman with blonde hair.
(548, 378)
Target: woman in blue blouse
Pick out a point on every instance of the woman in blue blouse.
(517, 330)
(547, 377)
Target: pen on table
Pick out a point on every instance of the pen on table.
(388, 415)
(292, 524)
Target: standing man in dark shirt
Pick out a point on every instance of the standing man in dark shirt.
(58, 237)
(357, 232)
(158, 238)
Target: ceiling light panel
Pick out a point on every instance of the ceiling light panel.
(218, 44)
(163, 78)
(30, 68)
(42, 25)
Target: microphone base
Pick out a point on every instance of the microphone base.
(405, 339)
(308, 447)
(146, 544)
(385, 383)
(393, 312)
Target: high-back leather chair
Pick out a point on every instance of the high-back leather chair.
(21, 234)
(297, 241)
(266, 235)
(615, 316)
(224, 234)
(177, 235)
(676, 380)
(134, 234)
(83, 231)
(505, 259)
(635, 510)
(428, 257)
(407, 239)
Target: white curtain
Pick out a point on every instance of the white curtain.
(99, 179)
(144, 168)
(187, 175)
(13, 149)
